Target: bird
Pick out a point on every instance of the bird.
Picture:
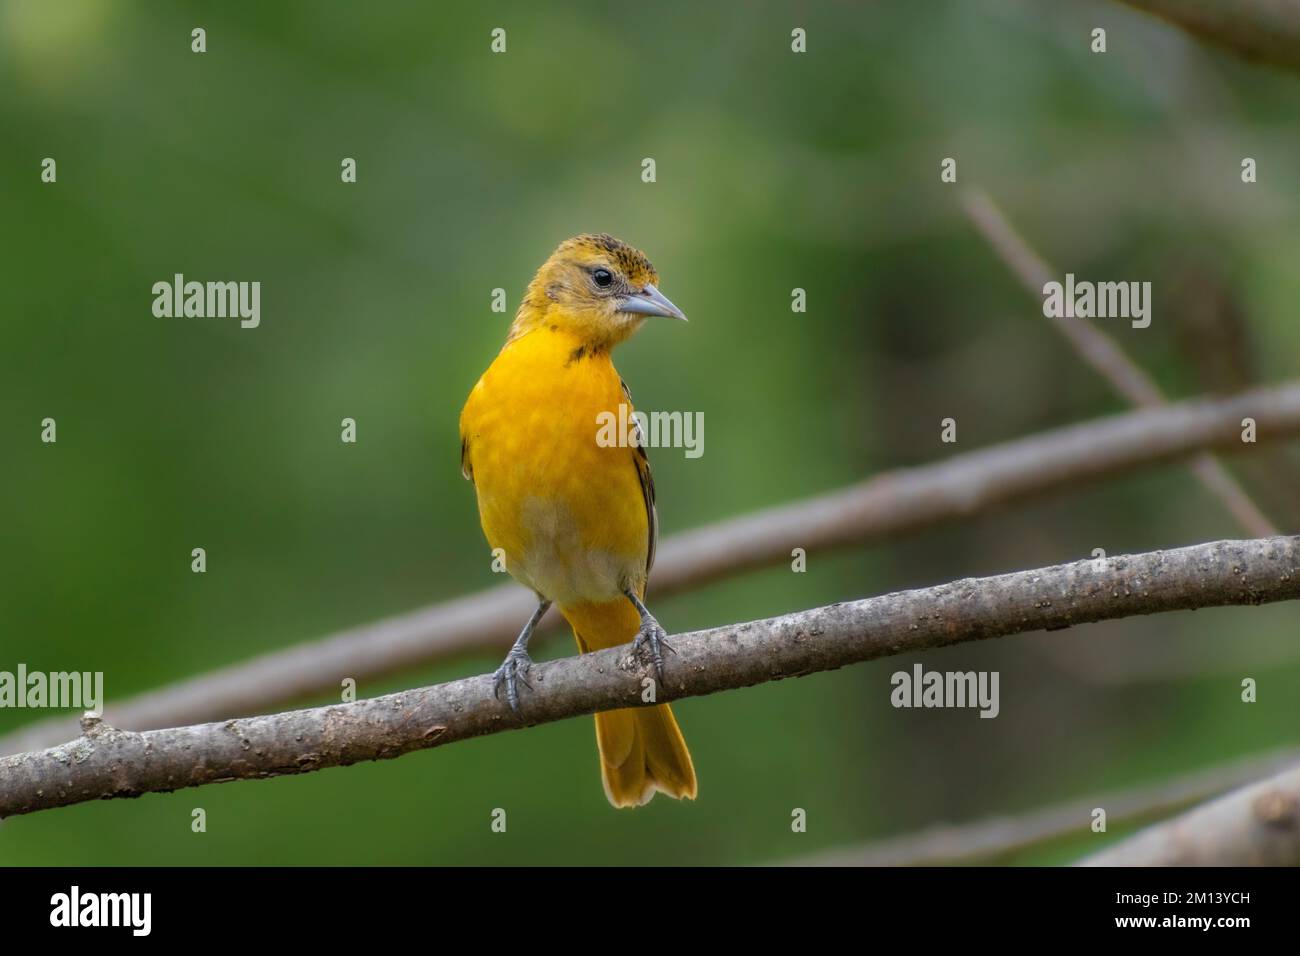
(571, 514)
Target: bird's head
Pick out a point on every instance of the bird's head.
(595, 287)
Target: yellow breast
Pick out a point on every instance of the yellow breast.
(568, 511)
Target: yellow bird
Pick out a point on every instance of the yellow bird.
(573, 512)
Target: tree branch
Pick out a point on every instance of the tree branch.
(1103, 353)
(105, 763)
(1263, 30)
(995, 838)
(1257, 825)
(891, 504)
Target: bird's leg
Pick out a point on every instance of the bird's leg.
(517, 661)
(651, 634)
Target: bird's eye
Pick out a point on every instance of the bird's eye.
(602, 277)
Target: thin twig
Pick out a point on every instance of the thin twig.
(888, 505)
(105, 763)
(1103, 353)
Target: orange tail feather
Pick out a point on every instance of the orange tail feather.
(641, 748)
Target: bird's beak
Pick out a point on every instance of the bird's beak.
(651, 301)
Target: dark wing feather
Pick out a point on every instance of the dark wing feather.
(466, 468)
(642, 462)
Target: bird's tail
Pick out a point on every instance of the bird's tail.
(641, 749)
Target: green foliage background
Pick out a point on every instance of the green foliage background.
(775, 170)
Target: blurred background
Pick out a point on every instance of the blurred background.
(774, 171)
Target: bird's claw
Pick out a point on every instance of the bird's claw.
(511, 674)
(653, 636)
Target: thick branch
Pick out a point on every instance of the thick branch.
(891, 504)
(106, 763)
(1257, 825)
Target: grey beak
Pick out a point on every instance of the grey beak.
(651, 301)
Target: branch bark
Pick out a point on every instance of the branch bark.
(889, 505)
(1257, 825)
(105, 763)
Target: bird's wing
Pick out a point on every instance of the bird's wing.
(642, 462)
(469, 415)
(466, 468)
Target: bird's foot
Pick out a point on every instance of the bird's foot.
(511, 674)
(655, 638)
